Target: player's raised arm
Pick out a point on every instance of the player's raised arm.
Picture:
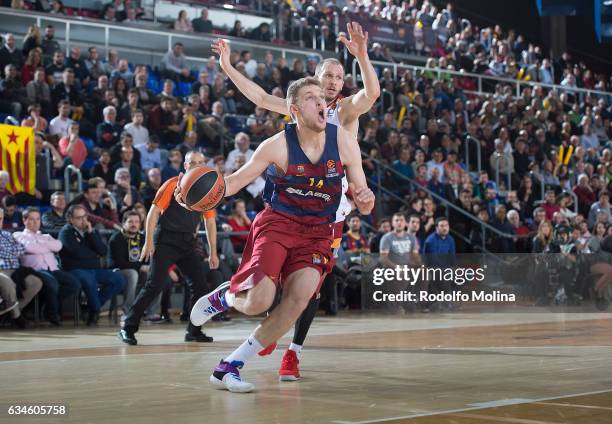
(351, 160)
(363, 101)
(267, 153)
(252, 91)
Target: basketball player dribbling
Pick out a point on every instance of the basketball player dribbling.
(290, 240)
(343, 112)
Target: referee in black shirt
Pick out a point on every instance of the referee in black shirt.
(171, 232)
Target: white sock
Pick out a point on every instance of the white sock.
(229, 298)
(247, 349)
(295, 347)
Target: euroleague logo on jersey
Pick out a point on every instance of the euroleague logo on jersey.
(331, 168)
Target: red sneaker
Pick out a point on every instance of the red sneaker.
(289, 370)
(268, 350)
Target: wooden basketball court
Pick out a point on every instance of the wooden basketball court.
(524, 368)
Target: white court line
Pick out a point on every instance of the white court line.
(574, 405)
(475, 408)
(63, 358)
(586, 368)
(501, 402)
(309, 349)
(489, 418)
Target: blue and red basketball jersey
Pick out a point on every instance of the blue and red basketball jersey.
(308, 191)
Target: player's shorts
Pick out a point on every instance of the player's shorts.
(277, 246)
(336, 240)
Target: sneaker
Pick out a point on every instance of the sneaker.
(198, 337)
(267, 351)
(289, 370)
(226, 376)
(127, 337)
(209, 305)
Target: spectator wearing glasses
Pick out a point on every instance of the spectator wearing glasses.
(81, 254)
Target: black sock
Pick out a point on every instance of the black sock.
(302, 325)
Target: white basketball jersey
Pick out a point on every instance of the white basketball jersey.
(344, 208)
(332, 115)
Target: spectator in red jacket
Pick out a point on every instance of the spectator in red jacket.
(239, 221)
(549, 205)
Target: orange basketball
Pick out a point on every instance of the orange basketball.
(202, 188)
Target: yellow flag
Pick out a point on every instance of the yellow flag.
(189, 123)
(569, 155)
(400, 118)
(18, 157)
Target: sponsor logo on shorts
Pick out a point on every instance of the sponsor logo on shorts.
(318, 259)
(308, 193)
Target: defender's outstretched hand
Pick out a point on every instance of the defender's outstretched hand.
(222, 48)
(357, 43)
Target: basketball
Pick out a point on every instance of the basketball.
(202, 188)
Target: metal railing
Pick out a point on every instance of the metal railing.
(498, 157)
(543, 191)
(448, 205)
(480, 78)
(574, 197)
(68, 172)
(455, 233)
(381, 101)
(469, 139)
(170, 35)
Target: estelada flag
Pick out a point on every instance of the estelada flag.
(18, 157)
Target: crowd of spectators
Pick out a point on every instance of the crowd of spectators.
(128, 128)
(456, 43)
